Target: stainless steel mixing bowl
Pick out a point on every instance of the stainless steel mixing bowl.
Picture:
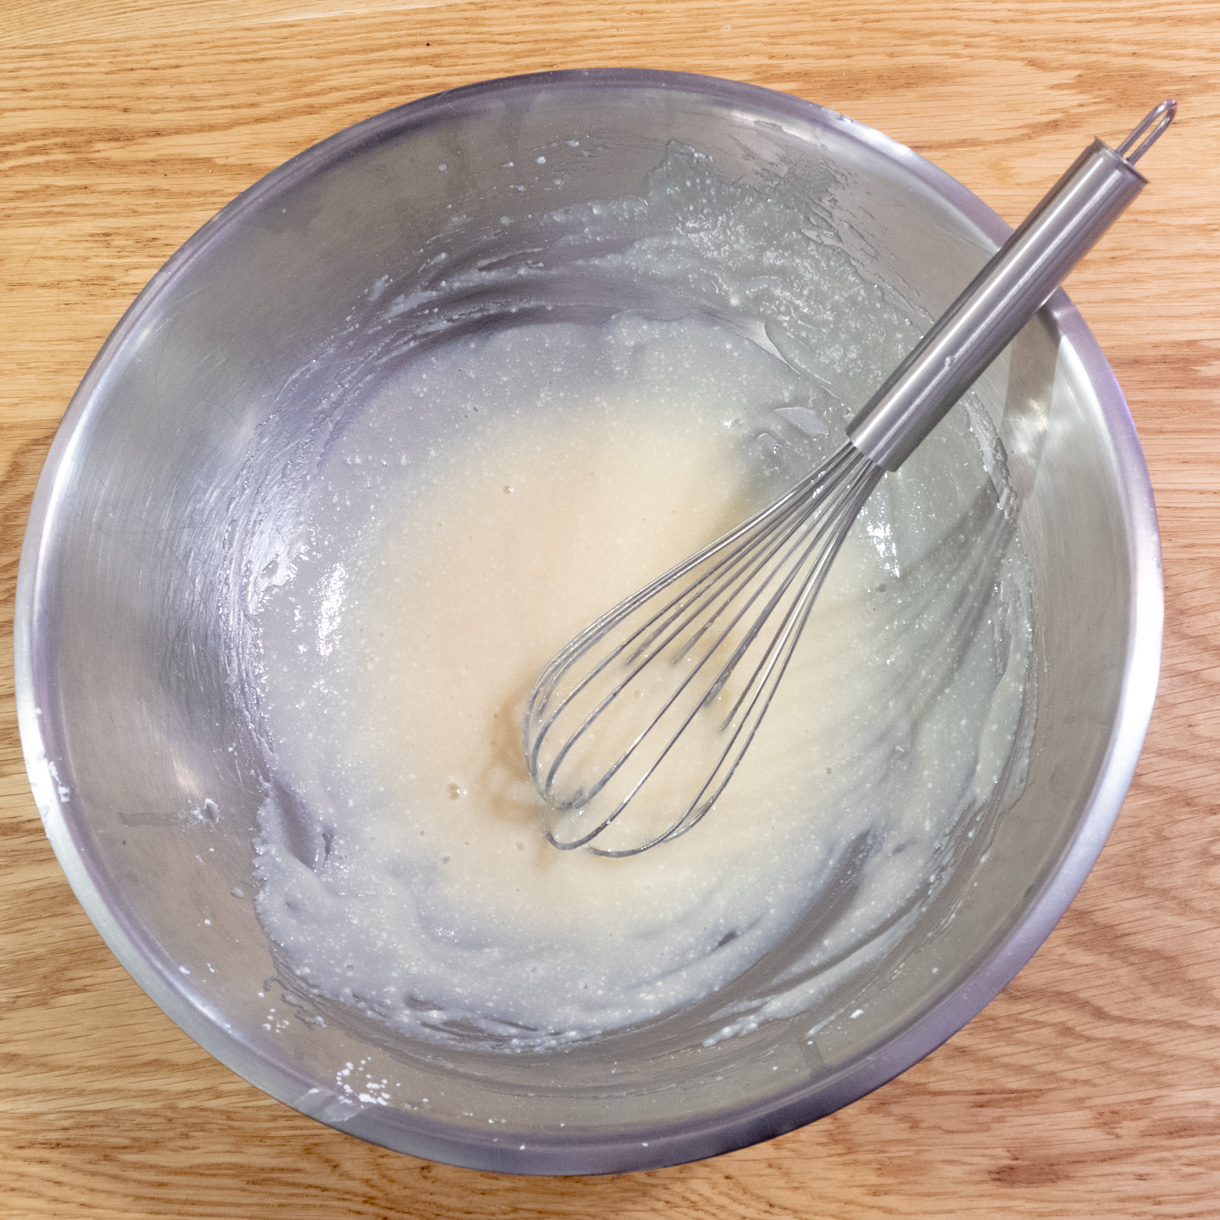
(181, 458)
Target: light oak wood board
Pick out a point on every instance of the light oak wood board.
(1091, 1086)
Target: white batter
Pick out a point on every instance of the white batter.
(402, 861)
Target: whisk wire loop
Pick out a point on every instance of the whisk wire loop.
(769, 672)
(762, 576)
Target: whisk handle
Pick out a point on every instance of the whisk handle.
(1009, 290)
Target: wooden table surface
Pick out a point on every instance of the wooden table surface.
(1091, 1086)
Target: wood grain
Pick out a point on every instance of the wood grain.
(1092, 1085)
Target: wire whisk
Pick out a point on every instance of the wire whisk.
(655, 704)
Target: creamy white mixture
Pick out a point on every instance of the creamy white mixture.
(402, 863)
